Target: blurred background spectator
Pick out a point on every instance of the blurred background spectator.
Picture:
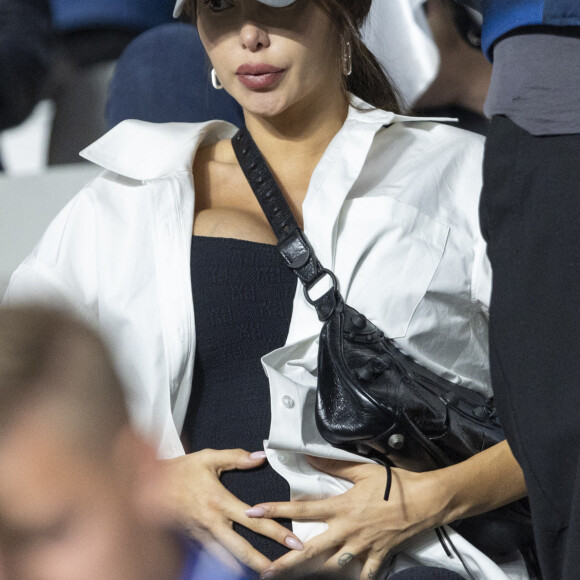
(167, 56)
(462, 82)
(398, 34)
(25, 46)
(82, 494)
(87, 38)
(91, 35)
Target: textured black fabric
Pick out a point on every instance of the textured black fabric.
(530, 216)
(243, 295)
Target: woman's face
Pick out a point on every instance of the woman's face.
(271, 59)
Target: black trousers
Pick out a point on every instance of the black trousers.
(530, 217)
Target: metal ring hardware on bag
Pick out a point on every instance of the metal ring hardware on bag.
(318, 278)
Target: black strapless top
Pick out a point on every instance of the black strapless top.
(243, 294)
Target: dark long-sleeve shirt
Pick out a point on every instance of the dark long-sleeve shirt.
(535, 48)
(25, 49)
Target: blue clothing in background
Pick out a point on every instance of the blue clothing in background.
(202, 565)
(163, 76)
(131, 14)
(501, 17)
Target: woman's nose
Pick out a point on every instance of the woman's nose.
(254, 37)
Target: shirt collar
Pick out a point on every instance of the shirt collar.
(144, 151)
(362, 112)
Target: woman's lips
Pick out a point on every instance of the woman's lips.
(259, 76)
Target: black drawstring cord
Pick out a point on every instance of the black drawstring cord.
(389, 481)
(445, 542)
(439, 532)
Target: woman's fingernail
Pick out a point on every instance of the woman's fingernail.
(268, 574)
(255, 512)
(294, 543)
(258, 455)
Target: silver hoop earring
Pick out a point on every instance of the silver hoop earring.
(215, 81)
(347, 59)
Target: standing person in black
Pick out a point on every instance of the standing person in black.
(25, 40)
(530, 217)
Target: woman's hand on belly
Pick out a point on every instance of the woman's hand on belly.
(208, 510)
(363, 528)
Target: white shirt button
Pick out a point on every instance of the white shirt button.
(283, 459)
(288, 402)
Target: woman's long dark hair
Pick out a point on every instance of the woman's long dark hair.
(368, 80)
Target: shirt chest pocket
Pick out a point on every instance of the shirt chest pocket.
(387, 253)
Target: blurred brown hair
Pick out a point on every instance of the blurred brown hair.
(54, 360)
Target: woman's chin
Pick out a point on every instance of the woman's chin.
(264, 114)
(265, 104)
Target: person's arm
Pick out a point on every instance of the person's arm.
(480, 484)
(364, 527)
(25, 55)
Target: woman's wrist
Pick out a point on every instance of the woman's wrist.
(444, 502)
(484, 482)
(431, 498)
(454, 504)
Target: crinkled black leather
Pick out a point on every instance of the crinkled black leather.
(369, 391)
(374, 400)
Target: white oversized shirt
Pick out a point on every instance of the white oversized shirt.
(391, 209)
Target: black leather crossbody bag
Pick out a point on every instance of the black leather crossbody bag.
(374, 400)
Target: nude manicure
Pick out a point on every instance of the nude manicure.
(294, 543)
(258, 455)
(255, 512)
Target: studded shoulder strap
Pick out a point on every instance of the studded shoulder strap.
(292, 243)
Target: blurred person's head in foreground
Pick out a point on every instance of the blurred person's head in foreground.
(81, 492)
